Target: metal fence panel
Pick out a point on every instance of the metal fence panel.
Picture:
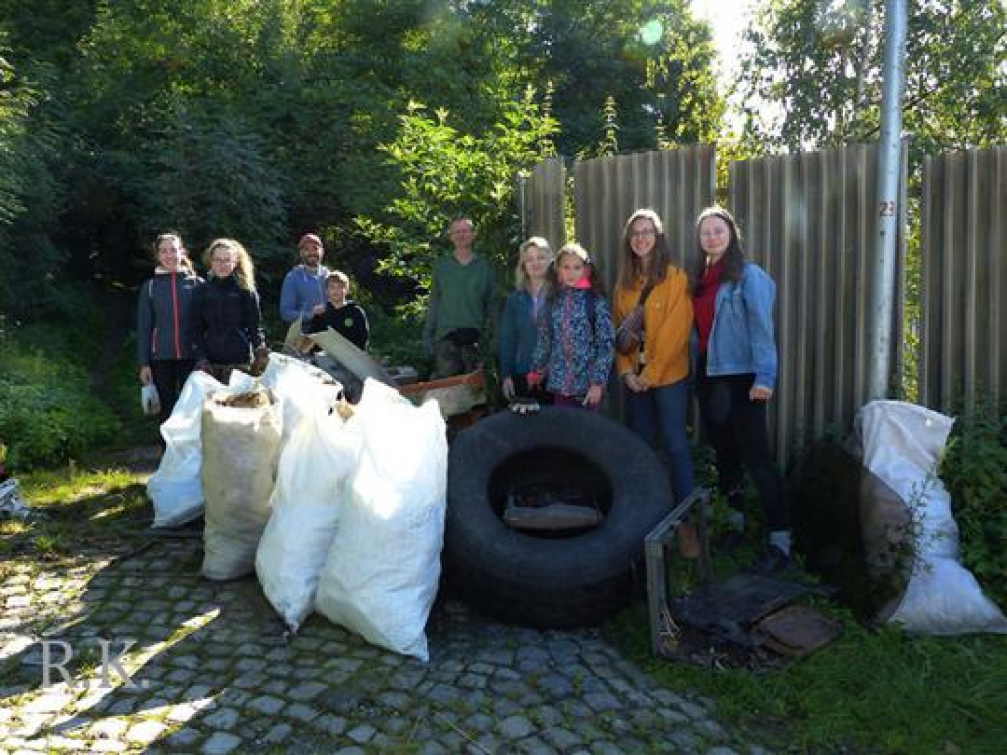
(543, 202)
(808, 219)
(964, 279)
(607, 190)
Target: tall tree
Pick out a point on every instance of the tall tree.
(812, 74)
(650, 58)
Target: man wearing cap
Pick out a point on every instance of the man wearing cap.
(303, 293)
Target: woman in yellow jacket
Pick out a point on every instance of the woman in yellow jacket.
(653, 316)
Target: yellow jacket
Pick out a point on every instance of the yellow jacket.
(667, 327)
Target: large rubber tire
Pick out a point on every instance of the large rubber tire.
(576, 580)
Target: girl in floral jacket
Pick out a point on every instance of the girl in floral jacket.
(576, 339)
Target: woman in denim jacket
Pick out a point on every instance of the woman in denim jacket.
(736, 373)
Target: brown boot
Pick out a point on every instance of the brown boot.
(688, 540)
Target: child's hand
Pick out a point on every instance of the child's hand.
(507, 386)
(593, 397)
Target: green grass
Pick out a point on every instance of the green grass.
(869, 691)
(70, 508)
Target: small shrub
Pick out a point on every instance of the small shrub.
(974, 469)
(48, 413)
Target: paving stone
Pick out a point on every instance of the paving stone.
(329, 724)
(301, 712)
(224, 718)
(516, 727)
(267, 704)
(221, 743)
(362, 734)
(279, 733)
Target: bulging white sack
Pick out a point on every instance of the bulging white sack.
(314, 464)
(380, 577)
(175, 488)
(902, 444)
(241, 446)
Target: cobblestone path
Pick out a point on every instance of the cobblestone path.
(212, 672)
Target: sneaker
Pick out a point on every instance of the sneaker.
(772, 561)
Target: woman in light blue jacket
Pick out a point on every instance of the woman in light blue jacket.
(736, 373)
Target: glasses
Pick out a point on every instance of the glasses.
(643, 234)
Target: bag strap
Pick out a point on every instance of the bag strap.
(645, 294)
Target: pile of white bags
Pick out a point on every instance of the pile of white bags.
(346, 518)
(902, 444)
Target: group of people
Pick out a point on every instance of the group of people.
(186, 322)
(708, 327)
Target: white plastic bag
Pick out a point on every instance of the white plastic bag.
(175, 488)
(380, 577)
(241, 445)
(314, 463)
(902, 444)
(301, 389)
(149, 399)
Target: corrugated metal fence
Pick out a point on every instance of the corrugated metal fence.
(607, 190)
(964, 279)
(809, 219)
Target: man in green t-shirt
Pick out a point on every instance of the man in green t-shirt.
(461, 295)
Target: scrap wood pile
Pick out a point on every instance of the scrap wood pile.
(335, 510)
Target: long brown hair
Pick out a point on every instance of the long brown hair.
(630, 264)
(734, 256)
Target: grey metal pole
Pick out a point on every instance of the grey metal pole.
(882, 272)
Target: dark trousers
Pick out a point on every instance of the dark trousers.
(169, 377)
(662, 411)
(738, 430)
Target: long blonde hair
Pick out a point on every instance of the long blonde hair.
(520, 274)
(244, 270)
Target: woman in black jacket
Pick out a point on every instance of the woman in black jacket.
(228, 331)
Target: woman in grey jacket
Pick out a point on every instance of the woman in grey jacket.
(736, 373)
(164, 321)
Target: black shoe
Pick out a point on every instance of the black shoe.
(772, 561)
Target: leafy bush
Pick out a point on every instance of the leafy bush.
(974, 469)
(47, 411)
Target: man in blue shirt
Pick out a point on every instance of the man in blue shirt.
(303, 293)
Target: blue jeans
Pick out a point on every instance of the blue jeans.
(664, 409)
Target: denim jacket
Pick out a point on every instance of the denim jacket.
(742, 339)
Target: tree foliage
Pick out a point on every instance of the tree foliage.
(444, 172)
(812, 75)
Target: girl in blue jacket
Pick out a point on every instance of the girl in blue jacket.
(576, 340)
(522, 314)
(736, 373)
